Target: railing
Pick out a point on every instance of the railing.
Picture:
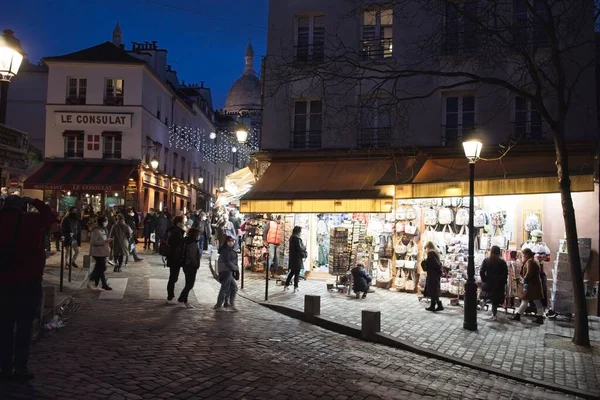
(112, 156)
(306, 140)
(454, 134)
(375, 49)
(74, 154)
(74, 100)
(375, 137)
(529, 131)
(116, 100)
(313, 53)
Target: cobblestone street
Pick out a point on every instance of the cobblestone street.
(538, 352)
(128, 344)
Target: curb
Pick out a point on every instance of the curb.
(390, 341)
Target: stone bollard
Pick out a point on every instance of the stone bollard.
(312, 305)
(371, 324)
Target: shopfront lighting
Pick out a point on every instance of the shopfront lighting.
(116, 194)
(212, 136)
(87, 195)
(241, 134)
(154, 163)
(472, 149)
(68, 193)
(221, 189)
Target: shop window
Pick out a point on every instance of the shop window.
(308, 120)
(375, 123)
(310, 38)
(460, 30)
(112, 147)
(76, 90)
(529, 19)
(527, 120)
(377, 34)
(114, 92)
(74, 144)
(459, 119)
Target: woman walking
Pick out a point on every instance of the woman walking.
(433, 266)
(532, 287)
(494, 274)
(191, 262)
(99, 250)
(228, 274)
(120, 234)
(297, 255)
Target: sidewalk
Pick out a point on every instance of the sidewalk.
(543, 353)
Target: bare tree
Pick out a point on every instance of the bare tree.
(542, 51)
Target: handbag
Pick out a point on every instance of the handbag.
(410, 229)
(410, 264)
(479, 219)
(400, 280)
(411, 214)
(430, 218)
(532, 222)
(409, 284)
(462, 217)
(389, 248)
(399, 264)
(153, 237)
(401, 213)
(446, 216)
(499, 241)
(384, 275)
(388, 227)
(399, 227)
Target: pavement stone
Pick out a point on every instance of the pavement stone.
(516, 347)
(138, 348)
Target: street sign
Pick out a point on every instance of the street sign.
(13, 183)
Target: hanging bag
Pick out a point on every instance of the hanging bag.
(389, 248)
(430, 217)
(411, 213)
(446, 216)
(479, 219)
(410, 281)
(401, 214)
(384, 274)
(410, 228)
(532, 222)
(462, 217)
(400, 280)
(399, 228)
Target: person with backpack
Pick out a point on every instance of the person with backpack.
(174, 239)
(189, 258)
(22, 261)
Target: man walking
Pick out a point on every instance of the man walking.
(21, 267)
(149, 228)
(70, 229)
(175, 240)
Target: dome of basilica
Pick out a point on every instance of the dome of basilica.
(245, 92)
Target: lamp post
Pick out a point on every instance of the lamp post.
(154, 163)
(472, 151)
(241, 133)
(11, 57)
(200, 180)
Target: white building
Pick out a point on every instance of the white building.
(110, 112)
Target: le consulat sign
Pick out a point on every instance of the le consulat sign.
(113, 120)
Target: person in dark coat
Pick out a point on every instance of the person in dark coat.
(175, 240)
(205, 231)
(162, 224)
(433, 266)
(494, 275)
(532, 287)
(70, 228)
(360, 280)
(149, 227)
(296, 259)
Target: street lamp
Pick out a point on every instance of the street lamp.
(472, 151)
(201, 180)
(154, 163)
(241, 133)
(11, 57)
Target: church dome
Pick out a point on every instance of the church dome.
(245, 92)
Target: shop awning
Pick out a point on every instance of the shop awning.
(530, 174)
(237, 184)
(80, 176)
(320, 187)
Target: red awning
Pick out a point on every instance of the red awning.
(80, 176)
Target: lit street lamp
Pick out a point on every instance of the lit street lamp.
(241, 133)
(11, 56)
(154, 163)
(472, 151)
(201, 180)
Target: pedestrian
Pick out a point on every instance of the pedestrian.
(162, 224)
(99, 250)
(149, 228)
(191, 262)
(70, 229)
(532, 287)
(228, 274)
(21, 267)
(236, 220)
(494, 275)
(360, 280)
(120, 235)
(297, 255)
(225, 229)
(205, 231)
(175, 239)
(55, 229)
(433, 266)
(130, 221)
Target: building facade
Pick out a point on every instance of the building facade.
(111, 114)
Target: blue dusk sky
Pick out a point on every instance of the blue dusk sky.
(205, 39)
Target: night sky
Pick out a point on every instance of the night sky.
(205, 39)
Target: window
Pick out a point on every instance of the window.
(76, 90)
(459, 118)
(93, 142)
(112, 146)
(529, 18)
(308, 120)
(375, 124)
(377, 34)
(166, 160)
(460, 32)
(74, 144)
(182, 171)
(175, 159)
(158, 107)
(310, 38)
(113, 94)
(528, 121)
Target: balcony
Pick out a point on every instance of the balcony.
(453, 135)
(75, 100)
(111, 156)
(116, 100)
(375, 49)
(306, 140)
(314, 53)
(529, 131)
(375, 138)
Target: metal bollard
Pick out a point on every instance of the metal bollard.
(62, 264)
(71, 258)
(243, 266)
(267, 280)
